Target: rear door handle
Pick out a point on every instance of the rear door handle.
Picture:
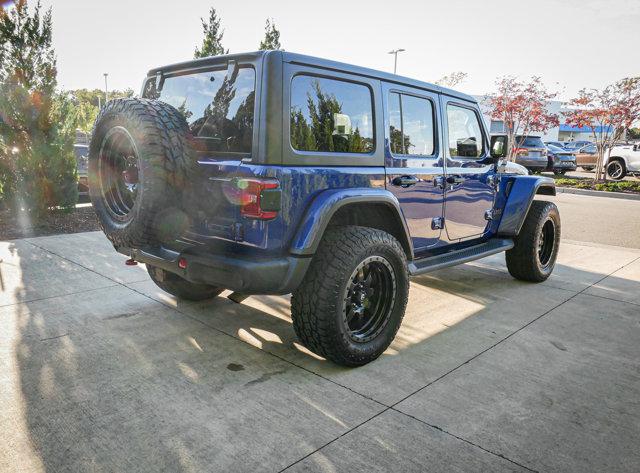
(405, 181)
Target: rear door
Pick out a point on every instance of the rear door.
(414, 162)
(469, 181)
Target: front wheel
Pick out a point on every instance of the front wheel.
(559, 173)
(353, 297)
(616, 170)
(536, 247)
(180, 287)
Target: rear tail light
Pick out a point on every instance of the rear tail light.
(259, 198)
(522, 152)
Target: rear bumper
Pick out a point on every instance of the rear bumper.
(248, 276)
(565, 166)
(533, 163)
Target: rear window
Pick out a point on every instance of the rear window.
(530, 142)
(217, 105)
(330, 115)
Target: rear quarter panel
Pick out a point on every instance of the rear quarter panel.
(300, 186)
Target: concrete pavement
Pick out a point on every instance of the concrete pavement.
(102, 371)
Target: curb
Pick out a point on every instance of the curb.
(612, 195)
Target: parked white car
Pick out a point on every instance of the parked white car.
(623, 160)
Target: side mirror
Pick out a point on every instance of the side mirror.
(499, 146)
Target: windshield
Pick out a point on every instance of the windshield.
(218, 107)
(529, 142)
(555, 149)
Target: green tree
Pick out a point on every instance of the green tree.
(212, 41)
(37, 163)
(87, 103)
(271, 37)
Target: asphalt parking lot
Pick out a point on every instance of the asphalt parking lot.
(102, 371)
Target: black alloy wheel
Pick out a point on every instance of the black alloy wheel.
(369, 298)
(546, 242)
(118, 173)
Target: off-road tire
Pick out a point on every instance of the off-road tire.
(164, 157)
(524, 260)
(180, 287)
(317, 306)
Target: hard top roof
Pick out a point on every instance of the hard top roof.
(315, 62)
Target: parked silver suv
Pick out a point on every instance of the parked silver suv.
(531, 153)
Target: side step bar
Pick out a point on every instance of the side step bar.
(452, 258)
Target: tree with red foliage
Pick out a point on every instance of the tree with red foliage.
(522, 106)
(608, 113)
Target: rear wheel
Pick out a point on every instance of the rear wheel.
(587, 168)
(536, 247)
(180, 287)
(559, 173)
(353, 297)
(616, 169)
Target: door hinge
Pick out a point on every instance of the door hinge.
(437, 223)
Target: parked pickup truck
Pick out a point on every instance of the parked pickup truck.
(623, 160)
(275, 173)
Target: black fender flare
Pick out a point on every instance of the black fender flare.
(520, 193)
(327, 203)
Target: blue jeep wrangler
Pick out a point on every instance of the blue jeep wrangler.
(276, 173)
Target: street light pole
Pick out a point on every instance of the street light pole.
(106, 90)
(395, 58)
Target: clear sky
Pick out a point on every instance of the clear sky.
(571, 44)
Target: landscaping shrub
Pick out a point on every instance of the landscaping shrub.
(37, 124)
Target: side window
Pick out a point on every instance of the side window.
(331, 115)
(411, 130)
(465, 135)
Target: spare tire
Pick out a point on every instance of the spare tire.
(139, 160)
